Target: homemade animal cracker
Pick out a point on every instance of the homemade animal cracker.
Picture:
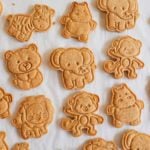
(80, 109)
(34, 115)
(78, 22)
(99, 144)
(23, 63)
(77, 66)
(21, 146)
(3, 145)
(124, 52)
(21, 26)
(124, 107)
(5, 100)
(133, 140)
(120, 14)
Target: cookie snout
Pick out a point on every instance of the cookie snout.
(25, 66)
(83, 70)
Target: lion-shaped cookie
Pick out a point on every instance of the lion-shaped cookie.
(33, 116)
(21, 26)
(99, 144)
(124, 52)
(78, 22)
(5, 100)
(77, 66)
(3, 145)
(124, 107)
(133, 140)
(21, 146)
(81, 109)
(23, 63)
(120, 14)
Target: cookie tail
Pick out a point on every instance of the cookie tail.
(110, 66)
(67, 124)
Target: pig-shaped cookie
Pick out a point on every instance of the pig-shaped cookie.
(3, 145)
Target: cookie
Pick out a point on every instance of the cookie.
(21, 26)
(23, 64)
(133, 140)
(1, 7)
(5, 100)
(124, 107)
(124, 52)
(3, 145)
(99, 144)
(78, 22)
(120, 14)
(21, 146)
(76, 65)
(35, 113)
(80, 110)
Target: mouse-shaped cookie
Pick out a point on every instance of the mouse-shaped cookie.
(3, 145)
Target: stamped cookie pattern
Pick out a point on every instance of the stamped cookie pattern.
(124, 52)
(23, 63)
(99, 144)
(34, 115)
(120, 14)
(77, 66)
(21, 26)
(3, 145)
(135, 140)
(124, 107)
(81, 109)
(21, 146)
(78, 22)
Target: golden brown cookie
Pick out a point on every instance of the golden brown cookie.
(3, 145)
(21, 26)
(78, 22)
(5, 100)
(21, 146)
(23, 64)
(34, 115)
(77, 66)
(80, 110)
(120, 14)
(124, 52)
(1, 7)
(99, 144)
(124, 107)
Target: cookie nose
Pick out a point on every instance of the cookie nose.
(25, 66)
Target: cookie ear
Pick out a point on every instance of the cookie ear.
(8, 55)
(85, 3)
(96, 98)
(138, 44)
(52, 11)
(133, 5)
(33, 47)
(102, 4)
(37, 7)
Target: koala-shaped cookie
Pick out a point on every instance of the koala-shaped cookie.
(99, 144)
(5, 100)
(21, 26)
(78, 22)
(124, 52)
(124, 107)
(120, 14)
(77, 66)
(3, 145)
(33, 116)
(21, 146)
(23, 64)
(80, 109)
(133, 140)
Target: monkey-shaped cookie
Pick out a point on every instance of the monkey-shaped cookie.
(21, 146)
(77, 66)
(23, 63)
(5, 100)
(99, 144)
(124, 107)
(133, 140)
(120, 14)
(78, 22)
(3, 145)
(124, 52)
(81, 109)
(21, 26)
(33, 116)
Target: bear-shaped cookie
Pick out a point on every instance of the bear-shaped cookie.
(78, 22)
(3, 145)
(80, 109)
(77, 66)
(21, 26)
(124, 107)
(124, 52)
(120, 14)
(21, 146)
(133, 140)
(23, 63)
(35, 113)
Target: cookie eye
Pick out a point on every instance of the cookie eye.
(123, 8)
(89, 105)
(126, 93)
(115, 8)
(18, 61)
(68, 64)
(29, 58)
(77, 63)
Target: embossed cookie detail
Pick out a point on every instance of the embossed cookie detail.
(120, 14)
(78, 22)
(23, 63)
(21, 146)
(124, 52)
(3, 145)
(81, 109)
(124, 107)
(21, 26)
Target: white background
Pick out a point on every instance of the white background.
(99, 41)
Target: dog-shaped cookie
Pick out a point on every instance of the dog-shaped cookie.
(3, 145)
